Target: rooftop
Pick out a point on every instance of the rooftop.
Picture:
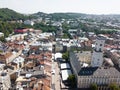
(101, 38)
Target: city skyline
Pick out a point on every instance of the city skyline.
(52, 6)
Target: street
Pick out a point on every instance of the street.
(56, 76)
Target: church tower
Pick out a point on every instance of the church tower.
(97, 57)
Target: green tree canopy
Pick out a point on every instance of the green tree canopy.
(71, 79)
(114, 86)
(65, 56)
(93, 86)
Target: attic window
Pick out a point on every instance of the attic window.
(100, 44)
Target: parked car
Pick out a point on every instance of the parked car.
(53, 71)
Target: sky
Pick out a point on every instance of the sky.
(52, 6)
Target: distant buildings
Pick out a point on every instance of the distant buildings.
(29, 22)
(5, 83)
(59, 32)
(75, 32)
(3, 47)
(22, 30)
(57, 24)
(16, 37)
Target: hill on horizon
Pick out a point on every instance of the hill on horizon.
(9, 15)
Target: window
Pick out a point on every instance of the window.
(100, 44)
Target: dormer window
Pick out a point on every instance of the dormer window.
(100, 44)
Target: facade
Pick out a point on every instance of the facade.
(100, 76)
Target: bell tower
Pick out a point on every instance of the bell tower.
(97, 56)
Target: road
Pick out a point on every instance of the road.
(56, 76)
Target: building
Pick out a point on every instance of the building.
(29, 22)
(75, 31)
(59, 32)
(16, 37)
(97, 57)
(88, 69)
(3, 47)
(86, 75)
(22, 30)
(5, 83)
(115, 56)
(1, 34)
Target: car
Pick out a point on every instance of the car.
(53, 71)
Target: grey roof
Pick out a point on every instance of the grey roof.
(33, 73)
(111, 71)
(101, 38)
(77, 59)
(75, 62)
(95, 71)
(87, 70)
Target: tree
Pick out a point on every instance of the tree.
(65, 56)
(93, 86)
(65, 36)
(114, 86)
(72, 81)
(2, 39)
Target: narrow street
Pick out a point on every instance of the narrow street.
(55, 76)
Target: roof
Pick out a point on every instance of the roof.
(101, 38)
(87, 70)
(58, 55)
(99, 72)
(33, 73)
(20, 79)
(18, 60)
(65, 66)
(104, 71)
(65, 74)
(5, 56)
